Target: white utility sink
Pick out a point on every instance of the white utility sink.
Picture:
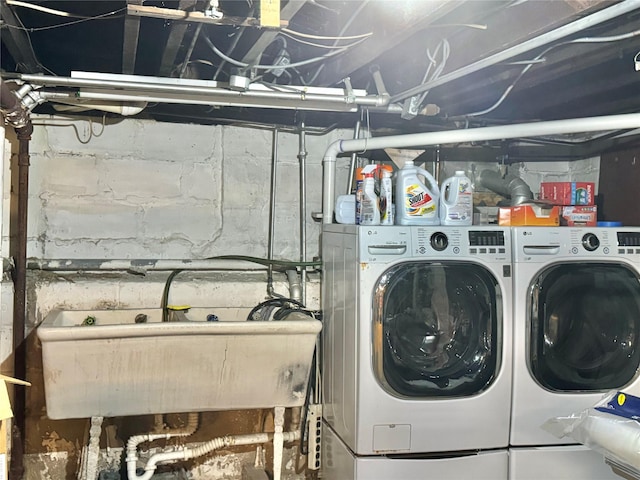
(116, 367)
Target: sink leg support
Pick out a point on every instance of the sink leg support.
(278, 442)
(91, 453)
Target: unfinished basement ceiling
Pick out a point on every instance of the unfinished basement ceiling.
(443, 63)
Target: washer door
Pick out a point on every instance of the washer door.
(436, 329)
(584, 327)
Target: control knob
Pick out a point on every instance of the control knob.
(590, 242)
(439, 241)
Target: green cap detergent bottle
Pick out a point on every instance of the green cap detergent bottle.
(416, 202)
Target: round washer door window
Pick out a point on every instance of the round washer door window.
(436, 329)
(585, 327)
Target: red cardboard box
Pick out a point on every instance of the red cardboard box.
(568, 193)
(534, 215)
(579, 216)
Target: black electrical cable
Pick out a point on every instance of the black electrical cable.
(165, 295)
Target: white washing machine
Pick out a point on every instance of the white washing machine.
(576, 337)
(414, 352)
(339, 463)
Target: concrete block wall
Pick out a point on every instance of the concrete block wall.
(157, 190)
(585, 170)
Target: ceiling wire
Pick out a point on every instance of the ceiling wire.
(323, 37)
(535, 60)
(318, 45)
(344, 28)
(273, 67)
(104, 16)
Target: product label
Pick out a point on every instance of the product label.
(418, 202)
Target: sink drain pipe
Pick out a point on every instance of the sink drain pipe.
(198, 451)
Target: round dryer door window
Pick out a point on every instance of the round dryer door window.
(436, 329)
(585, 327)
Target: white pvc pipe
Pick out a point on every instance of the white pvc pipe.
(133, 442)
(207, 447)
(554, 127)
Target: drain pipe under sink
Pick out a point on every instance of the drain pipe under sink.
(184, 453)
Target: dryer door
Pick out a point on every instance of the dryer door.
(437, 329)
(584, 326)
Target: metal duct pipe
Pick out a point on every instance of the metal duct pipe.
(554, 127)
(508, 186)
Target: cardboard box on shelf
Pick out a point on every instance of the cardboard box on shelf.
(568, 193)
(529, 215)
(579, 216)
(5, 414)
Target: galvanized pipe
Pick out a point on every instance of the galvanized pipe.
(272, 208)
(19, 302)
(302, 157)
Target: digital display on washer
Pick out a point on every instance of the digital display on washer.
(629, 239)
(484, 238)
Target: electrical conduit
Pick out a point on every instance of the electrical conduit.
(554, 127)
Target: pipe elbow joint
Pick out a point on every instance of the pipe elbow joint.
(383, 100)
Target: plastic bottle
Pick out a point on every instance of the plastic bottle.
(369, 209)
(386, 196)
(456, 202)
(357, 188)
(416, 203)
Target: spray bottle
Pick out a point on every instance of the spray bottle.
(416, 202)
(386, 195)
(456, 204)
(369, 210)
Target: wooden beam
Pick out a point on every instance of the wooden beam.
(267, 36)
(130, 41)
(392, 23)
(17, 42)
(181, 15)
(176, 36)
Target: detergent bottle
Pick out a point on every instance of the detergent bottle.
(369, 209)
(416, 202)
(456, 202)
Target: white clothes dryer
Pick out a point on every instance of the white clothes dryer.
(576, 323)
(416, 338)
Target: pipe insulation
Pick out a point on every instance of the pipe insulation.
(534, 129)
(11, 108)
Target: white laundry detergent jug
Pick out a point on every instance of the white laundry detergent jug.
(456, 200)
(416, 202)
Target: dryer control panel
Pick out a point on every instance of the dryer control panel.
(537, 244)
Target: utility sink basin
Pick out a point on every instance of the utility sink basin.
(103, 363)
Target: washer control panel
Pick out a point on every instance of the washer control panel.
(470, 242)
